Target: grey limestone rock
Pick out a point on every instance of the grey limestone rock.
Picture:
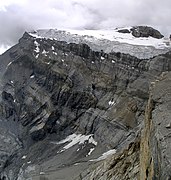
(52, 89)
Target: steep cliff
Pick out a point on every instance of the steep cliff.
(155, 151)
(66, 107)
(148, 157)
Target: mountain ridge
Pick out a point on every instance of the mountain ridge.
(110, 40)
(54, 91)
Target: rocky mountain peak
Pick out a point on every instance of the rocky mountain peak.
(71, 108)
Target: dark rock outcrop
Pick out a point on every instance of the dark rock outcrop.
(145, 31)
(142, 31)
(123, 31)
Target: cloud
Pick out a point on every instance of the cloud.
(24, 15)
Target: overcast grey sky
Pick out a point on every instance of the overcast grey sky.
(17, 16)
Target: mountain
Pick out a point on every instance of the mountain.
(86, 104)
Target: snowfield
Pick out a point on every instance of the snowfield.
(113, 35)
(109, 40)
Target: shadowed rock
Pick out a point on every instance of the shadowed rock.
(145, 31)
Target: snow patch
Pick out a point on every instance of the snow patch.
(91, 140)
(9, 63)
(32, 76)
(47, 62)
(105, 155)
(91, 150)
(37, 50)
(76, 164)
(55, 53)
(111, 103)
(44, 52)
(24, 157)
(37, 56)
(74, 139)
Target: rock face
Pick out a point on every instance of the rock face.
(142, 31)
(155, 153)
(145, 31)
(148, 157)
(124, 165)
(123, 31)
(65, 106)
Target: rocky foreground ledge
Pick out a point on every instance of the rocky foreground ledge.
(70, 112)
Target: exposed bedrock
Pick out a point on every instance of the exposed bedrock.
(51, 90)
